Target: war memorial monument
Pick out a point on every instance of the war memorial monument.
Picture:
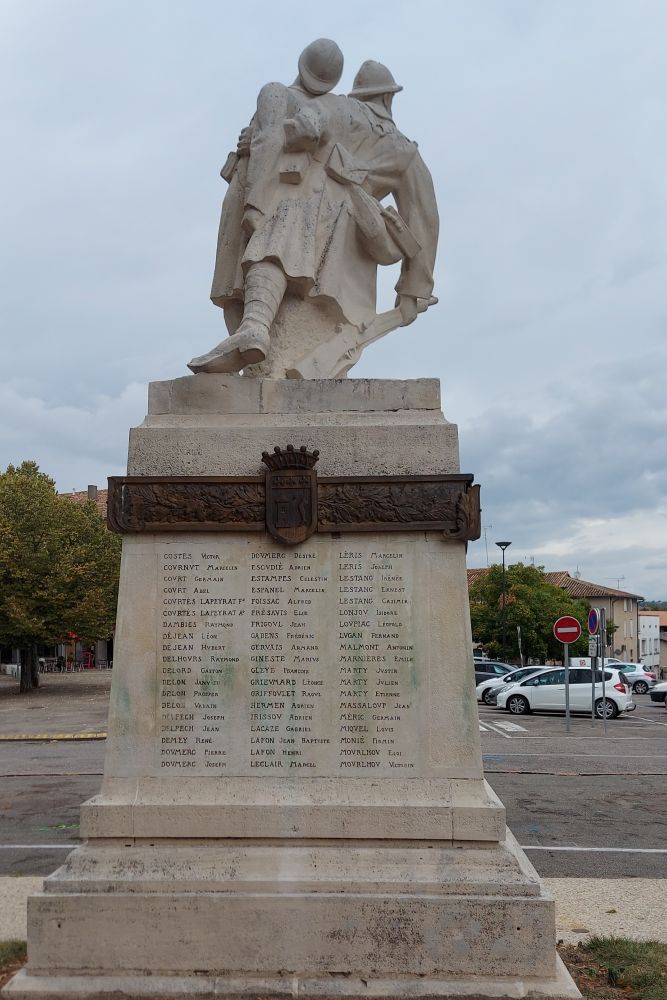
(293, 801)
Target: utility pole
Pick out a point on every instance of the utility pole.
(503, 546)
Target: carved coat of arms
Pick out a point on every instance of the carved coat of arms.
(291, 493)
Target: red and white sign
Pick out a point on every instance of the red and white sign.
(567, 629)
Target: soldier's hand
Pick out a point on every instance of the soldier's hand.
(408, 306)
(251, 219)
(243, 146)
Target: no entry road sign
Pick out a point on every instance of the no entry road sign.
(567, 629)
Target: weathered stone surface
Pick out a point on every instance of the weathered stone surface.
(218, 394)
(303, 229)
(220, 424)
(202, 987)
(205, 875)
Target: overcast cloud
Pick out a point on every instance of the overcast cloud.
(544, 123)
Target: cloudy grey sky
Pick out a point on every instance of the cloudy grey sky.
(544, 123)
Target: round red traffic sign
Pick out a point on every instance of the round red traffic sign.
(567, 629)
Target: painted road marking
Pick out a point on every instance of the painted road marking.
(8, 737)
(511, 727)
(588, 756)
(654, 722)
(576, 737)
(598, 850)
(482, 728)
(524, 847)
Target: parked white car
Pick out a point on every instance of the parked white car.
(546, 692)
(486, 687)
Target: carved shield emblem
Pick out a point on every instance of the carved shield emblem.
(291, 494)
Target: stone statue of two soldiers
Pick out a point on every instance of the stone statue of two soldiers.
(304, 227)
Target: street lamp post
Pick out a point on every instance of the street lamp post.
(503, 546)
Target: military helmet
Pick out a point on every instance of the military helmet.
(321, 66)
(372, 79)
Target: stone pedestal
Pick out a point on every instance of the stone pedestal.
(293, 800)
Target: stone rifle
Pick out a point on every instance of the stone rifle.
(340, 353)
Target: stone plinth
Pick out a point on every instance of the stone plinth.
(293, 799)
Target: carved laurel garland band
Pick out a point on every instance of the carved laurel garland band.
(447, 503)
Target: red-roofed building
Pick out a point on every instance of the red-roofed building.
(621, 607)
(99, 498)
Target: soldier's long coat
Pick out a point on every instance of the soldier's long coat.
(308, 228)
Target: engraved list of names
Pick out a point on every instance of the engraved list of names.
(287, 661)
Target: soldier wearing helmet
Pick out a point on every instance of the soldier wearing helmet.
(293, 221)
(412, 187)
(249, 283)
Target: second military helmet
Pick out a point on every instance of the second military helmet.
(373, 78)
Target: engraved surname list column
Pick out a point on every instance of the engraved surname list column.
(219, 587)
(307, 740)
(203, 595)
(378, 673)
(396, 673)
(355, 614)
(179, 646)
(271, 690)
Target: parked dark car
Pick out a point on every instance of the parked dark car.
(484, 669)
(659, 692)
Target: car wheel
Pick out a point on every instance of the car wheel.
(641, 687)
(518, 705)
(612, 708)
(486, 696)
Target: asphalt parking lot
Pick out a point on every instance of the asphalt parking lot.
(582, 804)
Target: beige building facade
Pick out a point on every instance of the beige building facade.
(621, 609)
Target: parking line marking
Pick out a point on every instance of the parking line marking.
(493, 726)
(588, 756)
(654, 722)
(482, 728)
(575, 736)
(597, 850)
(511, 727)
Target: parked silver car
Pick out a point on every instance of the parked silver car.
(639, 678)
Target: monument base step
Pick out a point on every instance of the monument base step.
(180, 920)
(29, 987)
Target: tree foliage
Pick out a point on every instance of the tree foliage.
(532, 603)
(58, 567)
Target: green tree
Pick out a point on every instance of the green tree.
(58, 567)
(532, 603)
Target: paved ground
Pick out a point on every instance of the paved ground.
(583, 804)
(599, 798)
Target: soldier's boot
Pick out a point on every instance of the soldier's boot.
(265, 286)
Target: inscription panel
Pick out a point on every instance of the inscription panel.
(283, 661)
